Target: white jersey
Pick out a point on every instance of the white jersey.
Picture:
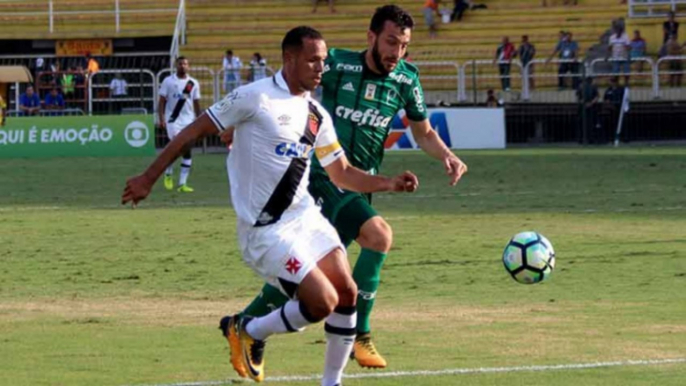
(275, 136)
(180, 94)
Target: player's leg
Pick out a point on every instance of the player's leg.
(169, 172)
(186, 162)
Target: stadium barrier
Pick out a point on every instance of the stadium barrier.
(141, 91)
(477, 79)
(77, 136)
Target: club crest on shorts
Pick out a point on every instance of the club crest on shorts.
(293, 265)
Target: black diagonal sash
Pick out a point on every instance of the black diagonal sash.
(179, 104)
(283, 194)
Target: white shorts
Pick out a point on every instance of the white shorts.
(285, 252)
(173, 129)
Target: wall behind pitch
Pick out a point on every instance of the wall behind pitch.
(460, 128)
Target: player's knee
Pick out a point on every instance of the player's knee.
(376, 235)
(324, 306)
(347, 293)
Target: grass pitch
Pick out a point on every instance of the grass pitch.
(92, 293)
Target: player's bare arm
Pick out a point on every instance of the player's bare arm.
(138, 187)
(348, 177)
(161, 108)
(196, 107)
(429, 141)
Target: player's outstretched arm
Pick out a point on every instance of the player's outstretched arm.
(429, 141)
(348, 177)
(138, 187)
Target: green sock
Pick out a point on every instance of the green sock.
(267, 301)
(367, 274)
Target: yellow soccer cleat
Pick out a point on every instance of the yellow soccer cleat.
(168, 182)
(365, 353)
(185, 189)
(228, 326)
(252, 352)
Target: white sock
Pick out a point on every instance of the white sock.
(185, 170)
(169, 171)
(340, 336)
(288, 318)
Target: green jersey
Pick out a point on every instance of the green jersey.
(363, 104)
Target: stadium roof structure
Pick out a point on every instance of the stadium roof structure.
(12, 74)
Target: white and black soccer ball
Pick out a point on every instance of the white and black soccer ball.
(529, 257)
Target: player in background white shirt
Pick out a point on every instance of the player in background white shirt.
(178, 107)
(282, 233)
(232, 66)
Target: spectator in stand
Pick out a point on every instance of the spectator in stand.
(568, 50)
(503, 57)
(675, 66)
(638, 49)
(588, 98)
(118, 87)
(491, 100)
(3, 108)
(29, 102)
(258, 67)
(68, 81)
(118, 90)
(232, 66)
(54, 101)
(458, 10)
(670, 27)
(564, 2)
(613, 98)
(430, 11)
(80, 82)
(92, 65)
(315, 3)
(461, 6)
(526, 53)
(619, 45)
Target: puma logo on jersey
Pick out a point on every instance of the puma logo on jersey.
(369, 117)
(349, 87)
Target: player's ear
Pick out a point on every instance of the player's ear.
(371, 38)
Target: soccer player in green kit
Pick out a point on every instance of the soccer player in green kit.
(363, 91)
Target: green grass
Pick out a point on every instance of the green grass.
(92, 293)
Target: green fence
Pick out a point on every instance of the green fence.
(78, 136)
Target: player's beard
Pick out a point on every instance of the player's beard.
(376, 57)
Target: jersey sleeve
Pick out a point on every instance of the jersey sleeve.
(236, 107)
(415, 106)
(326, 147)
(164, 89)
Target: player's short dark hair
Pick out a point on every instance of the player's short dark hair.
(180, 58)
(390, 13)
(229, 52)
(294, 38)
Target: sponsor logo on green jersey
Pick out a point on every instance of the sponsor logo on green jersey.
(369, 117)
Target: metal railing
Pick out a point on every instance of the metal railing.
(655, 8)
(142, 92)
(116, 12)
(179, 38)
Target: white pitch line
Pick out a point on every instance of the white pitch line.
(426, 373)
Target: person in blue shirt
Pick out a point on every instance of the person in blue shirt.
(568, 50)
(29, 102)
(54, 100)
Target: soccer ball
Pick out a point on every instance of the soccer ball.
(529, 257)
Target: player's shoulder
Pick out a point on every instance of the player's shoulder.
(408, 68)
(341, 54)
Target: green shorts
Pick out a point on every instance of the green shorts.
(346, 210)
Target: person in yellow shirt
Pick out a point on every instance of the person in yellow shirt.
(93, 65)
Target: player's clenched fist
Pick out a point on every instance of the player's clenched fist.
(137, 189)
(405, 182)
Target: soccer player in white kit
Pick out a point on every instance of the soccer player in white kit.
(179, 105)
(282, 234)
